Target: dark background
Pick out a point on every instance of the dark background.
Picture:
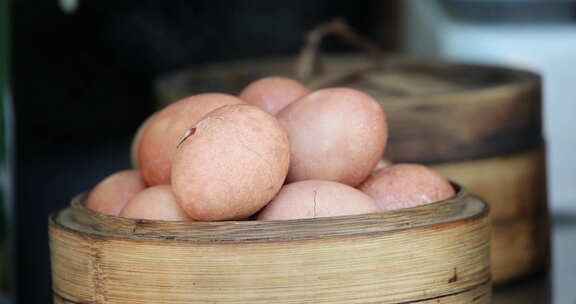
(82, 84)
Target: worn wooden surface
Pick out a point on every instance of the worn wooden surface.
(514, 183)
(437, 111)
(515, 187)
(428, 254)
(520, 247)
(463, 125)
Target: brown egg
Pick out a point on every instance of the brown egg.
(165, 129)
(336, 134)
(231, 164)
(136, 143)
(317, 198)
(155, 203)
(407, 185)
(113, 192)
(272, 94)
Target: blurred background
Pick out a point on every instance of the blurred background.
(83, 75)
(82, 79)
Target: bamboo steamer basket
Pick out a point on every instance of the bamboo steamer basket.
(437, 253)
(477, 125)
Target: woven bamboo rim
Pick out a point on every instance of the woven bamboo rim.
(438, 252)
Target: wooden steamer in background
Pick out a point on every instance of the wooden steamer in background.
(477, 125)
(429, 254)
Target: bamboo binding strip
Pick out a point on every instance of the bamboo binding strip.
(428, 254)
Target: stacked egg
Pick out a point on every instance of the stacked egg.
(278, 151)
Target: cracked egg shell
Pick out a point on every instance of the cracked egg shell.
(272, 94)
(155, 203)
(111, 194)
(160, 136)
(317, 198)
(336, 134)
(406, 185)
(231, 164)
(135, 145)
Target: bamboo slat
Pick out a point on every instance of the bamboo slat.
(515, 186)
(429, 254)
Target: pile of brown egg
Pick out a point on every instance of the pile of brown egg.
(278, 151)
